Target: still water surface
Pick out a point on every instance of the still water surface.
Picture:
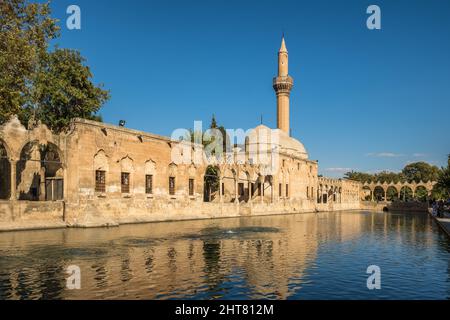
(307, 256)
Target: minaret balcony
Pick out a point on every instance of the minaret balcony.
(283, 84)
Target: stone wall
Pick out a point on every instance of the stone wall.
(396, 206)
(19, 215)
(291, 187)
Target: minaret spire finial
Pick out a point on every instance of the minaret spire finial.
(283, 48)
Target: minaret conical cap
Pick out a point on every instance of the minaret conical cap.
(283, 46)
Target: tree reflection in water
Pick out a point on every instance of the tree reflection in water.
(318, 256)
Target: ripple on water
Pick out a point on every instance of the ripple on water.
(304, 256)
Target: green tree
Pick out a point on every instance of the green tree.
(226, 138)
(359, 176)
(420, 171)
(211, 182)
(56, 86)
(388, 177)
(25, 31)
(65, 90)
(442, 188)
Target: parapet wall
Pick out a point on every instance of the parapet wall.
(396, 206)
(22, 215)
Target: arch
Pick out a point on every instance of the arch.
(173, 170)
(5, 151)
(192, 170)
(126, 175)
(243, 186)
(378, 193)
(421, 193)
(127, 164)
(5, 172)
(150, 167)
(228, 187)
(392, 193)
(256, 186)
(406, 193)
(101, 162)
(211, 184)
(172, 181)
(40, 172)
(325, 194)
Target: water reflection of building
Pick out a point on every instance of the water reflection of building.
(202, 259)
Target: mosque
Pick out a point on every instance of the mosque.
(98, 174)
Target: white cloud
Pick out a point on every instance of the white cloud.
(381, 170)
(384, 154)
(344, 170)
(419, 155)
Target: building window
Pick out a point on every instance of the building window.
(191, 187)
(312, 192)
(149, 184)
(223, 188)
(279, 190)
(125, 182)
(100, 181)
(307, 192)
(287, 191)
(172, 186)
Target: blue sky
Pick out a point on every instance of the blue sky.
(363, 100)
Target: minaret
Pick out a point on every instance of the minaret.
(283, 85)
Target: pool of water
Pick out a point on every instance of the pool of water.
(305, 256)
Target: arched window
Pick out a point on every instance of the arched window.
(172, 176)
(101, 167)
(127, 169)
(150, 170)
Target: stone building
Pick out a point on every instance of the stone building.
(97, 174)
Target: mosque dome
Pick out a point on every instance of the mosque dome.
(267, 139)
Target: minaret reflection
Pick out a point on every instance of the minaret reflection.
(259, 257)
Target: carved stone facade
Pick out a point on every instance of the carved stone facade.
(97, 174)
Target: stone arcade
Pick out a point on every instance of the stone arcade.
(97, 174)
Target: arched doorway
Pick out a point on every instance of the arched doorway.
(378, 194)
(406, 194)
(243, 186)
(392, 193)
(421, 193)
(40, 173)
(5, 173)
(228, 187)
(325, 195)
(211, 186)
